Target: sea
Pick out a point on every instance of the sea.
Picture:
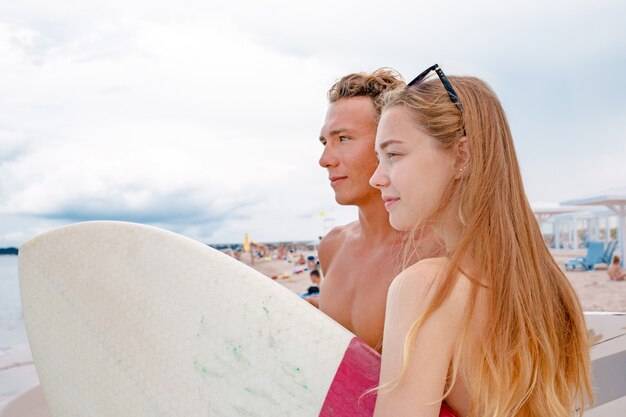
(12, 330)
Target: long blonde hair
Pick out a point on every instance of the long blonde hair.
(533, 358)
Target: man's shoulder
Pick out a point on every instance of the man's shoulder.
(333, 241)
(339, 234)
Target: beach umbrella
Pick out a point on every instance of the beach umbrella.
(246, 243)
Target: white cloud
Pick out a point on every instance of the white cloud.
(203, 117)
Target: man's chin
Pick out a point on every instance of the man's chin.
(358, 198)
(344, 201)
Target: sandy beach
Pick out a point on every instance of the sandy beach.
(596, 292)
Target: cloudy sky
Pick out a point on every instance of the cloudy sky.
(202, 117)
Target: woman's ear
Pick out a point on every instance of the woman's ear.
(461, 151)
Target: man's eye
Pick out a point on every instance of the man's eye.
(343, 138)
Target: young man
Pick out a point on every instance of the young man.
(360, 259)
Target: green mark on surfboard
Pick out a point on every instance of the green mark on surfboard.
(235, 349)
(206, 372)
(261, 394)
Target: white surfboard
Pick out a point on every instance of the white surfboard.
(130, 320)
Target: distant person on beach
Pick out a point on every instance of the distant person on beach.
(313, 292)
(311, 262)
(316, 279)
(615, 272)
(493, 328)
(358, 260)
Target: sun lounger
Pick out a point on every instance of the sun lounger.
(595, 252)
(607, 257)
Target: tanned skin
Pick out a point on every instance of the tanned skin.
(360, 259)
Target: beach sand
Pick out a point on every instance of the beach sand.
(596, 292)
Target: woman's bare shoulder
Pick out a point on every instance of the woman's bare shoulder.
(422, 274)
(418, 283)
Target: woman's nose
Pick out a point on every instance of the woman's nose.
(379, 179)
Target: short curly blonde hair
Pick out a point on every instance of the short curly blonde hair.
(363, 84)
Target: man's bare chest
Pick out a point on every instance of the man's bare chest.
(355, 296)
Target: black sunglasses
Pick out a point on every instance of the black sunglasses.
(444, 80)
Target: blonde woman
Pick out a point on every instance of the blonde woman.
(493, 328)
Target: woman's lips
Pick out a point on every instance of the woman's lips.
(390, 201)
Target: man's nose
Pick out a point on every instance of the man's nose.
(328, 158)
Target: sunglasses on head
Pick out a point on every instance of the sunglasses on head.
(444, 80)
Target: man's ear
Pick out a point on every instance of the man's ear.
(462, 154)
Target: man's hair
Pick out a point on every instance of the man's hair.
(315, 272)
(615, 259)
(363, 84)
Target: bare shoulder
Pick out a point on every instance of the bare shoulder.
(417, 285)
(421, 275)
(330, 244)
(335, 235)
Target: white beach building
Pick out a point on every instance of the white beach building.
(566, 227)
(614, 201)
